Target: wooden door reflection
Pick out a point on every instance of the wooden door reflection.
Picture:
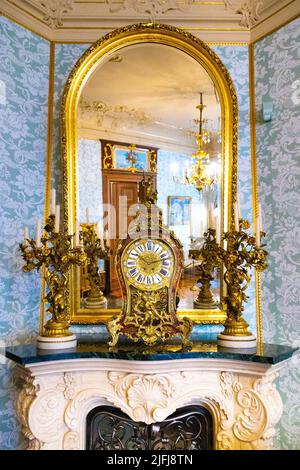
(120, 192)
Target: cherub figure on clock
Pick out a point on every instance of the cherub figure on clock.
(149, 263)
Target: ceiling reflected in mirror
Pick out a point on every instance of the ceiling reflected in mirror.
(148, 93)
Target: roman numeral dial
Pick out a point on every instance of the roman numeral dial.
(148, 264)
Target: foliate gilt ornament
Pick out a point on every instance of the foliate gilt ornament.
(210, 255)
(94, 249)
(239, 257)
(57, 256)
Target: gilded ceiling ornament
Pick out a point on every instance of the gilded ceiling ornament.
(54, 10)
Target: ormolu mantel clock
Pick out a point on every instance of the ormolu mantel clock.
(149, 264)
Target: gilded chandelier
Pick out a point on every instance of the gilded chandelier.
(198, 174)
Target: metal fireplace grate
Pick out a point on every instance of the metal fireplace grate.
(189, 428)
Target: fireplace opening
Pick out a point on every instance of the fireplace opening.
(189, 428)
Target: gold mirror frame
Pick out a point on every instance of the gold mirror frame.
(94, 55)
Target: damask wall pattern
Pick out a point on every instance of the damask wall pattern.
(89, 180)
(277, 75)
(24, 72)
(66, 56)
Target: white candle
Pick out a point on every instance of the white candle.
(201, 228)
(87, 215)
(53, 202)
(106, 234)
(236, 217)
(238, 205)
(212, 217)
(77, 234)
(217, 226)
(38, 232)
(26, 235)
(99, 234)
(57, 218)
(207, 219)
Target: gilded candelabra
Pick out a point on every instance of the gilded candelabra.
(95, 249)
(241, 253)
(210, 256)
(55, 253)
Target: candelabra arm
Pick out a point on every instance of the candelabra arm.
(57, 255)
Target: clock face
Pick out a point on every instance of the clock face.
(148, 264)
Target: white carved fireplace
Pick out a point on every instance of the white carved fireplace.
(56, 397)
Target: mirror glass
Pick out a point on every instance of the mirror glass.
(139, 116)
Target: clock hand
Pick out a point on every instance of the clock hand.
(156, 261)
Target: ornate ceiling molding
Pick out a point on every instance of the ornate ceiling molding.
(54, 11)
(251, 12)
(216, 21)
(153, 8)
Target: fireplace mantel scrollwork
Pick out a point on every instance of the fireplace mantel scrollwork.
(53, 406)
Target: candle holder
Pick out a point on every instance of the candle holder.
(241, 253)
(95, 249)
(57, 256)
(210, 256)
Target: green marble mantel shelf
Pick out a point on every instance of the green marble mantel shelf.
(95, 346)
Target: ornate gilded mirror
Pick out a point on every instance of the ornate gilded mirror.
(147, 102)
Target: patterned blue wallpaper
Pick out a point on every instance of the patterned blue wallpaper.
(277, 74)
(66, 56)
(24, 68)
(89, 188)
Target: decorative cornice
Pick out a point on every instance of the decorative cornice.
(251, 12)
(152, 8)
(53, 11)
(84, 22)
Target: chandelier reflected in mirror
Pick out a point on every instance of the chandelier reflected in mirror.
(199, 172)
